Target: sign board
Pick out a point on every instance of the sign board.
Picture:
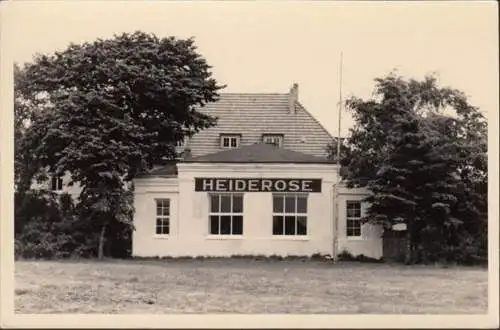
(257, 185)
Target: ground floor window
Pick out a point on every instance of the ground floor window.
(163, 216)
(289, 214)
(226, 214)
(353, 216)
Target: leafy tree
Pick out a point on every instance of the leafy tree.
(421, 151)
(109, 109)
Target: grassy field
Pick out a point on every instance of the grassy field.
(246, 286)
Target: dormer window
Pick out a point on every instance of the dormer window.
(275, 139)
(229, 141)
(56, 184)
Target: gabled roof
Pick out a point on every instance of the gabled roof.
(255, 114)
(258, 153)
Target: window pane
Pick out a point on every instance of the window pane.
(166, 211)
(237, 225)
(351, 223)
(214, 224)
(353, 209)
(302, 204)
(290, 225)
(277, 225)
(238, 204)
(162, 225)
(289, 204)
(301, 225)
(278, 204)
(225, 203)
(225, 142)
(353, 228)
(234, 142)
(214, 203)
(225, 225)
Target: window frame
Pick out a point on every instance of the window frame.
(280, 138)
(56, 181)
(353, 219)
(296, 214)
(160, 218)
(230, 137)
(221, 214)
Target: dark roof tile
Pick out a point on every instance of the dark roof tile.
(258, 153)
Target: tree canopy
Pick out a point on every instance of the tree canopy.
(421, 151)
(113, 107)
(106, 110)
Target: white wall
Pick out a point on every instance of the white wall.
(370, 242)
(190, 221)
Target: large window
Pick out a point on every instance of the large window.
(56, 184)
(353, 216)
(163, 216)
(226, 214)
(289, 214)
(275, 139)
(229, 141)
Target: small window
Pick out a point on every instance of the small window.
(226, 214)
(230, 141)
(353, 216)
(275, 139)
(290, 214)
(179, 143)
(163, 216)
(57, 183)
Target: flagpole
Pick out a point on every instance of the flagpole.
(340, 108)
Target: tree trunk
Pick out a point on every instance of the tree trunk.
(100, 252)
(410, 243)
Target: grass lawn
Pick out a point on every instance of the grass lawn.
(246, 286)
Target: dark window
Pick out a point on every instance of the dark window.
(275, 139)
(163, 216)
(229, 141)
(353, 218)
(226, 214)
(56, 184)
(289, 214)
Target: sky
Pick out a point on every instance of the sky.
(268, 46)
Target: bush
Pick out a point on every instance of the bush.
(50, 226)
(347, 256)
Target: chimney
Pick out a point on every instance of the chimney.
(293, 97)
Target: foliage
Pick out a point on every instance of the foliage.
(421, 150)
(107, 110)
(347, 256)
(52, 226)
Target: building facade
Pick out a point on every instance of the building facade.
(257, 183)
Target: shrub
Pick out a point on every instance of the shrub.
(347, 256)
(50, 226)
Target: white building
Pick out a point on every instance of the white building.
(258, 183)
